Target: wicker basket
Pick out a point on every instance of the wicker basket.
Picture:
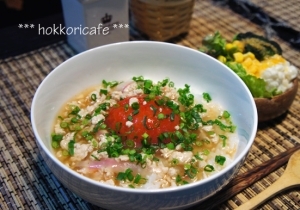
(161, 22)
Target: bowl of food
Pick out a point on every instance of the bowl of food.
(143, 125)
(258, 61)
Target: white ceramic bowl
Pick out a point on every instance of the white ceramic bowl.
(154, 60)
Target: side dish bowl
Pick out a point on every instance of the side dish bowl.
(269, 109)
(156, 61)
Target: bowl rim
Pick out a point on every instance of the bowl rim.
(51, 155)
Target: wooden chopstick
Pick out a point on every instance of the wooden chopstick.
(242, 181)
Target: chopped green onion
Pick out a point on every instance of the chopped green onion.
(71, 147)
(151, 96)
(118, 126)
(65, 153)
(75, 110)
(174, 162)
(103, 91)
(135, 106)
(145, 135)
(74, 120)
(95, 157)
(147, 83)
(199, 143)
(126, 107)
(185, 98)
(64, 124)
(161, 116)
(170, 146)
(224, 138)
(88, 116)
(172, 116)
(129, 118)
(55, 144)
(155, 159)
(206, 152)
(93, 97)
(160, 102)
(130, 143)
(135, 112)
(206, 97)
(154, 109)
(85, 121)
(197, 156)
(191, 172)
(114, 154)
(137, 179)
(111, 84)
(220, 159)
(146, 142)
(209, 168)
(178, 179)
(226, 114)
(57, 137)
(138, 79)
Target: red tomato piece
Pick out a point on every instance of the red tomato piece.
(122, 119)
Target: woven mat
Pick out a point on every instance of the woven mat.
(27, 183)
(283, 10)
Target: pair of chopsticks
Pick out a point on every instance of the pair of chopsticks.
(242, 181)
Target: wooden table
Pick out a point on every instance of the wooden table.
(27, 183)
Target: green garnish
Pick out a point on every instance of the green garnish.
(209, 168)
(161, 116)
(129, 118)
(224, 138)
(220, 159)
(135, 106)
(109, 84)
(128, 176)
(64, 124)
(180, 181)
(191, 171)
(55, 144)
(206, 97)
(154, 109)
(57, 137)
(130, 143)
(170, 146)
(103, 91)
(226, 114)
(206, 152)
(93, 97)
(71, 147)
(185, 97)
(75, 110)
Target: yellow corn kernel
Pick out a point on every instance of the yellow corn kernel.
(239, 45)
(249, 55)
(229, 46)
(278, 59)
(256, 62)
(252, 70)
(264, 66)
(222, 58)
(247, 62)
(238, 57)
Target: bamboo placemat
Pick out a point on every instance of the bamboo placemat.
(27, 183)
